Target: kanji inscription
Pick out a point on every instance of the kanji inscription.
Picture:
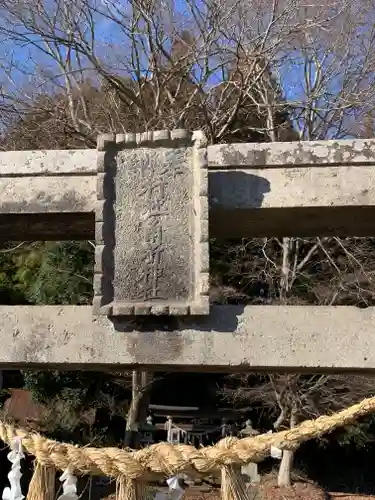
(153, 252)
(157, 237)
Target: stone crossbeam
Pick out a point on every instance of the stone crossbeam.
(254, 190)
(133, 196)
(232, 338)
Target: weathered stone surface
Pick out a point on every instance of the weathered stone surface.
(157, 249)
(48, 162)
(288, 187)
(83, 161)
(250, 471)
(232, 338)
(344, 152)
(229, 189)
(29, 195)
(320, 199)
(154, 251)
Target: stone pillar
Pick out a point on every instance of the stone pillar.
(168, 428)
(251, 472)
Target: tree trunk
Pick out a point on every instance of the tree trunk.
(285, 470)
(285, 268)
(140, 387)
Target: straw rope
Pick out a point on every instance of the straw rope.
(167, 459)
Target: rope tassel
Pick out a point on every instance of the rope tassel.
(233, 486)
(132, 489)
(42, 484)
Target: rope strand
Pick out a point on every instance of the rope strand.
(168, 459)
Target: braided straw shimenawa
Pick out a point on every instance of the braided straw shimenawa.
(167, 459)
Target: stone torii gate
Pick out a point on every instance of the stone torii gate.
(151, 201)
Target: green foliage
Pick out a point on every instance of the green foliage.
(47, 273)
(4, 395)
(361, 434)
(17, 269)
(70, 397)
(80, 390)
(64, 275)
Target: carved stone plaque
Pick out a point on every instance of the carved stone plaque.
(152, 225)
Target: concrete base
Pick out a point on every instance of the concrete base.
(232, 338)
